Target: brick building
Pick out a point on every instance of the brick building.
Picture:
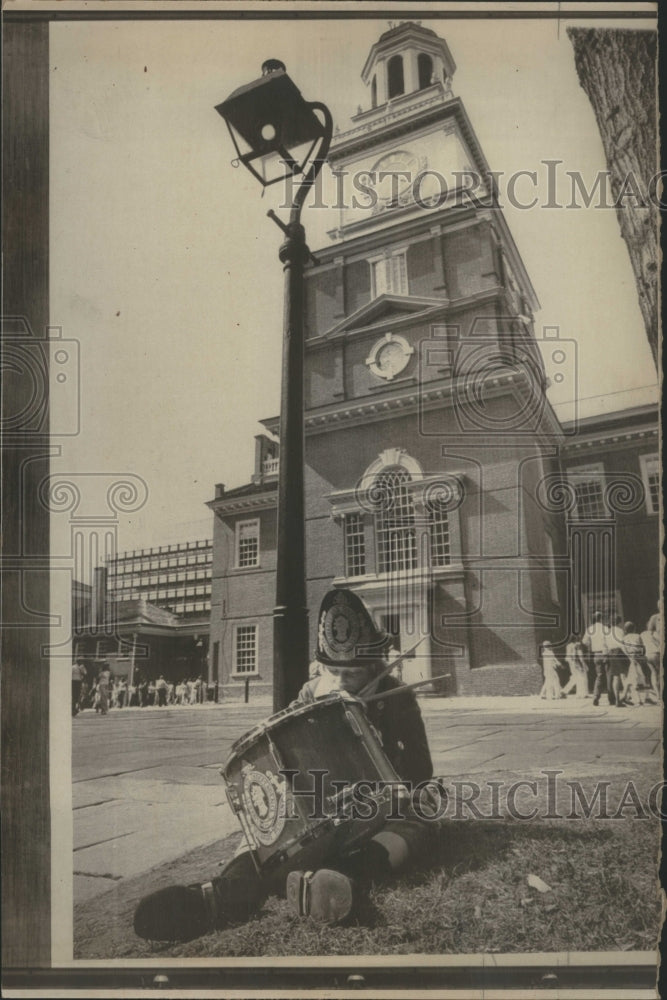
(175, 577)
(612, 514)
(435, 463)
(148, 609)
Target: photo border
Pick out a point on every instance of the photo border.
(26, 815)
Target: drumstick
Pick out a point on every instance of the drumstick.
(403, 687)
(390, 666)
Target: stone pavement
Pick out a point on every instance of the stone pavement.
(146, 787)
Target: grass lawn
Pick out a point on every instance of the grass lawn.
(471, 896)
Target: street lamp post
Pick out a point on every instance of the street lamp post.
(275, 132)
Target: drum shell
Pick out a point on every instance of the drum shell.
(288, 830)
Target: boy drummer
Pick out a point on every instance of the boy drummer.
(352, 653)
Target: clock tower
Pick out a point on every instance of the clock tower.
(400, 153)
(428, 432)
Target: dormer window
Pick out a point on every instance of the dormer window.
(374, 93)
(395, 81)
(425, 70)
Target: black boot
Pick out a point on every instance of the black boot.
(368, 865)
(185, 912)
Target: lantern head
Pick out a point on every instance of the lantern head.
(271, 125)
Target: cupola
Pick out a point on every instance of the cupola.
(406, 59)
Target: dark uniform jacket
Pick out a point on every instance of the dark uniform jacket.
(399, 722)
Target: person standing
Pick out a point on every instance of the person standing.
(161, 687)
(617, 662)
(574, 654)
(121, 693)
(651, 662)
(634, 649)
(196, 688)
(595, 640)
(79, 674)
(551, 688)
(103, 685)
(142, 690)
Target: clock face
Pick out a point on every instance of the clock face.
(389, 356)
(395, 174)
(390, 359)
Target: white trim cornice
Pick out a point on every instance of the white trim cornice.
(442, 393)
(372, 582)
(226, 506)
(608, 441)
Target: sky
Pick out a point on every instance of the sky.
(164, 266)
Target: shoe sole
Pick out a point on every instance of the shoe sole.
(326, 896)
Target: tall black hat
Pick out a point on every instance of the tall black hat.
(347, 636)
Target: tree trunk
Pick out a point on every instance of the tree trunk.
(617, 70)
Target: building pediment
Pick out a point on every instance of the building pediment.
(384, 309)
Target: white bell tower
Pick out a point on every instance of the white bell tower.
(411, 143)
(405, 60)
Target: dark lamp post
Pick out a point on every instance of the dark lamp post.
(273, 126)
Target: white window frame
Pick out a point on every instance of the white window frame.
(593, 470)
(645, 461)
(235, 650)
(237, 544)
(439, 537)
(390, 283)
(355, 543)
(396, 544)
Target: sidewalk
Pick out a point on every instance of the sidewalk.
(147, 789)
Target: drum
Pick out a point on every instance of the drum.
(294, 783)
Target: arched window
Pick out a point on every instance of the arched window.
(374, 93)
(425, 70)
(395, 521)
(395, 82)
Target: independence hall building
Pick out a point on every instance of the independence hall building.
(440, 484)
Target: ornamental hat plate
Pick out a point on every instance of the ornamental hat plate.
(347, 635)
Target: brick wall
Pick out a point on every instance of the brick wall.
(470, 262)
(503, 679)
(357, 285)
(323, 299)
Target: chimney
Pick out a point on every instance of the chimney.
(219, 490)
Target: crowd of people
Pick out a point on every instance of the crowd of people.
(101, 690)
(610, 657)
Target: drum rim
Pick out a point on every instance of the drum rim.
(278, 718)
